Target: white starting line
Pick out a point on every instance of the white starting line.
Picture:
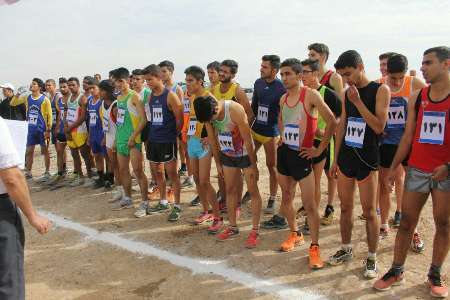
(197, 266)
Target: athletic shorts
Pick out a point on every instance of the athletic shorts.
(35, 137)
(78, 140)
(124, 150)
(53, 137)
(261, 138)
(161, 152)
(387, 153)
(421, 182)
(289, 163)
(110, 139)
(196, 149)
(240, 162)
(322, 155)
(61, 138)
(351, 166)
(97, 147)
(330, 155)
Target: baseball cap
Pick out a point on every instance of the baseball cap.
(7, 85)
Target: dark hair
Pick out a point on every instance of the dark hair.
(88, 79)
(168, 64)
(214, 65)
(442, 52)
(312, 63)
(137, 72)
(111, 73)
(195, 72)
(205, 108)
(386, 55)
(74, 79)
(121, 73)
(62, 80)
(40, 83)
(349, 58)
(294, 64)
(397, 63)
(321, 49)
(107, 86)
(52, 81)
(98, 75)
(153, 70)
(273, 59)
(232, 64)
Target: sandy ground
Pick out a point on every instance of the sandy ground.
(66, 265)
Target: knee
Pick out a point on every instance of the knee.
(346, 209)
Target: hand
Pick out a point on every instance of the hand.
(353, 94)
(333, 171)
(131, 142)
(47, 134)
(388, 181)
(440, 173)
(41, 224)
(309, 153)
(219, 170)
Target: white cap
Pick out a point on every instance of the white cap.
(7, 85)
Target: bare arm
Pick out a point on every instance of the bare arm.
(176, 106)
(212, 140)
(417, 84)
(141, 112)
(337, 83)
(242, 99)
(238, 117)
(280, 120)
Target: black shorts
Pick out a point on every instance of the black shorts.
(322, 155)
(241, 162)
(161, 152)
(61, 138)
(387, 153)
(351, 165)
(289, 163)
(53, 137)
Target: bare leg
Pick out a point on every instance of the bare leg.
(367, 195)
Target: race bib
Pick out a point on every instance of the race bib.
(192, 126)
(92, 119)
(54, 117)
(71, 115)
(157, 115)
(356, 130)
(396, 116)
(432, 128)
(147, 113)
(226, 142)
(187, 106)
(120, 116)
(292, 136)
(263, 114)
(32, 118)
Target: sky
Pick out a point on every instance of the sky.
(54, 38)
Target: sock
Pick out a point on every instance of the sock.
(164, 202)
(371, 255)
(347, 247)
(299, 233)
(434, 270)
(329, 206)
(385, 226)
(183, 167)
(177, 206)
(397, 269)
(312, 244)
(255, 228)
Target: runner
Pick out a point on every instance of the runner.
(200, 154)
(310, 78)
(130, 122)
(266, 106)
(427, 136)
(402, 87)
(299, 108)
(98, 77)
(76, 132)
(364, 116)
(383, 58)
(39, 117)
(333, 81)
(54, 96)
(166, 113)
(226, 124)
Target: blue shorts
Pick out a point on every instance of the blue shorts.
(35, 137)
(97, 147)
(196, 149)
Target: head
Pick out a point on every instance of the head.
(93, 88)
(63, 87)
(436, 64)
(87, 81)
(50, 86)
(270, 65)
(37, 86)
(350, 66)
(195, 77)
(310, 72)
(98, 77)
(397, 66)
(319, 52)
(383, 62)
(122, 79)
(291, 72)
(205, 109)
(137, 79)
(74, 85)
(167, 69)
(228, 70)
(213, 69)
(8, 92)
(152, 75)
(111, 74)
(106, 90)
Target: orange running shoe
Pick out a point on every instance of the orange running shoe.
(315, 262)
(292, 241)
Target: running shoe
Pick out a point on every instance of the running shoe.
(291, 242)
(175, 214)
(78, 180)
(270, 209)
(371, 270)
(158, 208)
(124, 203)
(252, 240)
(216, 226)
(44, 178)
(229, 233)
(391, 278)
(384, 233)
(89, 182)
(315, 262)
(305, 228)
(276, 222)
(99, 183)
(245, 198)
(108, 185)
(396, 220)
(417, 245)
(55, 179)
(141, 211)
(328, 215)
(340, 256)
(195, 201)
(116, 195)
(28, 175)
(301, 212)
(437, 288)
(203, 217)
(187, 183)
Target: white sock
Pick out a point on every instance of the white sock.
(346, 247)
(164, 202)
(385, 226)
(178, 206)
(372, 255)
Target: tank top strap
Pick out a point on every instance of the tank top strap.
(302, 95)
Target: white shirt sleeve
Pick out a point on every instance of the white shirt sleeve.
(8, 154)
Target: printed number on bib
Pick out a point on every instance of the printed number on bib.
(433, 127)
(187, 106)
(292, 136)
(192, 126)
(147, 113)
(120, 116)
(92, 119)
(226, 142)
(263, 114)
(32, 118)
(396, 116)
(71, 115)
(356, 130)
(157, 116)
